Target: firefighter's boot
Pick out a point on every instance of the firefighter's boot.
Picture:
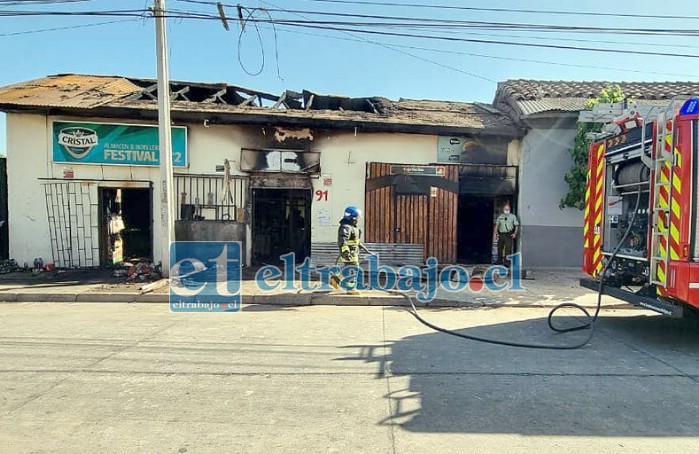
(335, 281)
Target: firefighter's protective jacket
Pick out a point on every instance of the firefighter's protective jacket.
(348, 239)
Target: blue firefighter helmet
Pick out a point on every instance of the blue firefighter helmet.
(352, 213)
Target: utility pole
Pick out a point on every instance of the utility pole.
(165, 135)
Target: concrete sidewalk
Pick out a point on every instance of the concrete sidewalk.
(548, 288)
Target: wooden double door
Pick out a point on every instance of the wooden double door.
(413, 204)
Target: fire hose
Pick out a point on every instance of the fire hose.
(588, 323)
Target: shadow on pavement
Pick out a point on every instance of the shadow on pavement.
(638, 377)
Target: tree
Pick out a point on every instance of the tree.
(577, 176)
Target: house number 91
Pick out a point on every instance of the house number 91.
(322, 195)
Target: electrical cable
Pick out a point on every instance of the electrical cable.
(70, 27)
(494, 57)
(481, 41)
(403, 52)
(243, 23)
(276, 43)
(39, 2)
(497, 10)
(470, 8)
(589, 324)
(451, 23)
(591, 319)
(240, 44)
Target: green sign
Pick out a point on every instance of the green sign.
(114, 144)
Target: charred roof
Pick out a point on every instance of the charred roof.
(109, 96)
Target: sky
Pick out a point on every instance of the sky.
(350, 63)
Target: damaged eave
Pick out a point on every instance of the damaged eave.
(365, 122)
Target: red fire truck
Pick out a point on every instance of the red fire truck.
(641, 228)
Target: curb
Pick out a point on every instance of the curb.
(45, 297)
(285, 299)
(104, 298)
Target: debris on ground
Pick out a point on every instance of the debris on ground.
(8, 266)
(139, 270)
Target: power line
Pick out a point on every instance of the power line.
(468, 73)
(37, 2)
(481, 41)
(573, 40)
(127, 13)
(499, 26)
(442, 23)
(470, 54)
(321, 25)
(95, 24)
(453, 23)
(495, 10)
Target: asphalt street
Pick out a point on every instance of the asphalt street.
(125, 378)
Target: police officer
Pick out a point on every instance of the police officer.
(505, 230)
(349, 241)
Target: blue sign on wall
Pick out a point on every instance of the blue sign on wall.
(114, 144)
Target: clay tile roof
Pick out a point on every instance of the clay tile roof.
(521, 98)
(68, 91)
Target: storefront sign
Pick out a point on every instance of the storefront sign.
(114, 144)
(472, 150)
(417, 170)
(450, 149)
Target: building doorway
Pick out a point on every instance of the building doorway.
(281, 223)
(483, 190)
(475, 225)
(126, 223)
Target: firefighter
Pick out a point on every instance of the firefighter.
(505, 230)
(349, 242)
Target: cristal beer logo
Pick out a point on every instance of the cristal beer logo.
(77, 141)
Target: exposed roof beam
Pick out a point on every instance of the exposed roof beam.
(218, 96)
(310, 101)
(148, 92)
(371, 104)
(249, 100)
(281, 100)
(180, 93)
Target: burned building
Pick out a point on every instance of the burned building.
(272, 171)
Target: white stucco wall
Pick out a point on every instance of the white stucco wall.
(211, 146)
(550, 237)
(344, 157)
(29, 159)
(544, 160)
